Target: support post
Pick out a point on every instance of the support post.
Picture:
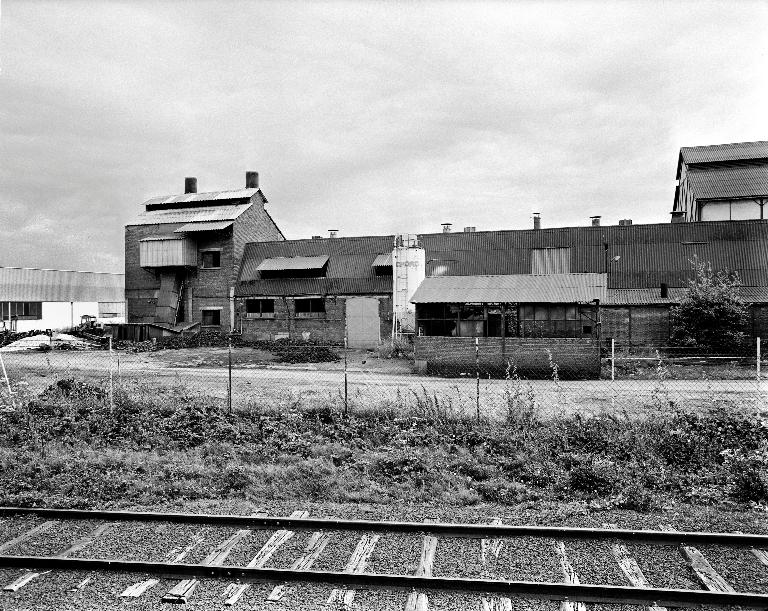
(477, 375)
(7, 382)
(229, 383)
(759, 358)
(346, 385)
(111, 379)
(613, 359)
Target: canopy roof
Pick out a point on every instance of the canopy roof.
(289, 263)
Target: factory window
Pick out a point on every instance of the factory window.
(551, 320)
(310, 307)
(211, 259)
(211, 318)
(259, 308)
(22, 310)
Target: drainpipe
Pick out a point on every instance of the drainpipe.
(231, 309)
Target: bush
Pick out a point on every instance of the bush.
(747, 474)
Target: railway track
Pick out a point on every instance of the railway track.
(259, 560)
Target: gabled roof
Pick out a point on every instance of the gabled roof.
(737, 151)
(27, 284)
(190, 215)
(729, 183)
(518, 288)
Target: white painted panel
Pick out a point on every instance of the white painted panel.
(363, 324)
(744, 210)
(716, 211)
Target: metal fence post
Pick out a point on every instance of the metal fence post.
(477, 376)
(346, 387)
(7, 382)
(613, 359)
(229, 383)
(111, 379)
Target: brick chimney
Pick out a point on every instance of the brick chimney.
(190, 185)
(595, 221)
(678, 216)
(251, 180)
(537, 220)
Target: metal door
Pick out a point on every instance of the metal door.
(363, 324)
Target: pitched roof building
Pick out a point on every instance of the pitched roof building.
(722, 182)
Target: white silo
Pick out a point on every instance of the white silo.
(409, 269)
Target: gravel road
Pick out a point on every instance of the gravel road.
(520, 558)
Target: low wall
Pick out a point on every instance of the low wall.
(575, 358)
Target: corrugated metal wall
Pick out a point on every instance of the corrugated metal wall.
(170, 252)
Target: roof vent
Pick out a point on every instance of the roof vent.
(251, 180)
(317, 237)
(447, 227)
(470, 229)
(332, 233)
(537, 220)
(190, 185)
(678, 216)
(595, 221)
(625, 222)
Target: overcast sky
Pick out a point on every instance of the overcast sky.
(368, 117)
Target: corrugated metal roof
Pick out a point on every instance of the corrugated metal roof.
(750, 294)
(287, 263)
(203, 226)
(724, 152)
(210, 196)
(24, 284)
(382, 260)
(649, 254)
(729, 182)
(518, 288)
(162, 238)
(190, 215)
(376, 285)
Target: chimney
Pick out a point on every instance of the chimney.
(190, 185)
(332, 233)
(678, 216)
(447, 227)
(537, 220)
(251, 180)
(595, 221)
(625, 222)
(664, 290)
(469, 229)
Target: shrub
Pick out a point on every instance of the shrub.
(747, 474)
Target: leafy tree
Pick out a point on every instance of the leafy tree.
(712, 314)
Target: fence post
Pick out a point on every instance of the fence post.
(759, 357)
(111, 379)
(477, 376)
(346, 387)
(613, 359)
(229, 383)
(7, 382)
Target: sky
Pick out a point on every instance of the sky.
(368, 117)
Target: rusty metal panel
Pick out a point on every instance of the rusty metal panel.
(25, 284)
(520, 288)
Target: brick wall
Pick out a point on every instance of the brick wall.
(330, 327)
(253, 225)
(576, 358)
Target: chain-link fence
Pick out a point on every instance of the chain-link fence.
(546, 379)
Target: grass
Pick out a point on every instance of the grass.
(70, 446)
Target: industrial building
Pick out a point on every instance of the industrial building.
(40, 299)
(592, 282)
(722, 182)
(182, 257)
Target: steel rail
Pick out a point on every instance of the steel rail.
(480, 531)
(536, 590)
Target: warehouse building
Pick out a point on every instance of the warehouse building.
(723, 182)
(182, 257)
(581, 284)
(40, 299)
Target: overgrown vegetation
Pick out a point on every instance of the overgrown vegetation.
(72, 446)
(712, 315)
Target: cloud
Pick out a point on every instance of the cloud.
(370, 117)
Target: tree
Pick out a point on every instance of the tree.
(711, 315)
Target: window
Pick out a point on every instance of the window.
(211, 259)
(382, 270)
(552, 320)
(310, 307)
(259, 308)
(211, 318)
(551, 261)
(22, 310)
